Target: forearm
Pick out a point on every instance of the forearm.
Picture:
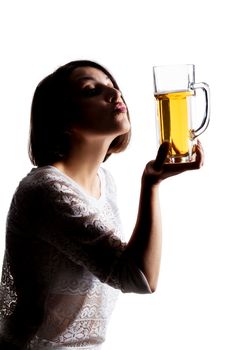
(144, 246)
(145, 243)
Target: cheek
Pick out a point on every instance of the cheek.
(87, 111)
(89, 121)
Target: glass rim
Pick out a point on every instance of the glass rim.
(174, 65)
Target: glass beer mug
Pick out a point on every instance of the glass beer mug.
(175, 89)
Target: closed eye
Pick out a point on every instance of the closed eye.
(91, 91)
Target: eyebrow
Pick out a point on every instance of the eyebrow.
(89, 77)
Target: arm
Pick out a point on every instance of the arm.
(146, 240)
(144, 246)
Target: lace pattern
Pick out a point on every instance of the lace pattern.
(8, 296)
(64, 263)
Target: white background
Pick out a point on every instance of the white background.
(192, 308)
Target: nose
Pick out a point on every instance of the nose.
(114, 95)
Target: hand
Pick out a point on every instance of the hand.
(157, 170)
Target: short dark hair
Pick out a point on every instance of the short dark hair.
(52, 116)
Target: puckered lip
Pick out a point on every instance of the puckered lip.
(120, 107)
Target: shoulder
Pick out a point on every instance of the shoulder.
(34, 192)
(50, 191)
(39, 177)
(45, 181)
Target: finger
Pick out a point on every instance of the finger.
(199, 157)
(199, 154)
(161, 156)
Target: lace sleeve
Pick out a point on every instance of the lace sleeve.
(84, 235)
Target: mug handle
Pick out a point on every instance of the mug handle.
(206, 119)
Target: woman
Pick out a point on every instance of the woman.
(65, 258)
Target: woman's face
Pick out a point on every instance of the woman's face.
(100, 110)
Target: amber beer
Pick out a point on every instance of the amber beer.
(173, 112)
(175, 93)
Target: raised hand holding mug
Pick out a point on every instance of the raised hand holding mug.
(175, 87)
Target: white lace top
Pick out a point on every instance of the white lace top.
(64, 263)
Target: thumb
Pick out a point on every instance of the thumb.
(161, 156)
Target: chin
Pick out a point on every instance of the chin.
(126, 128)
(124, 125)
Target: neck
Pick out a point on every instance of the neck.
(83, 163)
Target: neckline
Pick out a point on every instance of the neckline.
(81, 189)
